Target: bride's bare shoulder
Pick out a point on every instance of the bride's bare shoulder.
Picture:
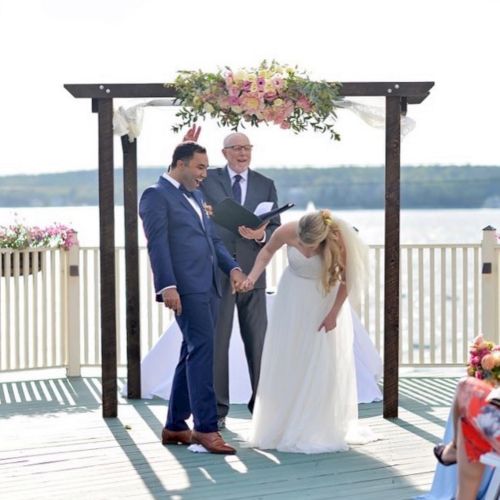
(288, 232)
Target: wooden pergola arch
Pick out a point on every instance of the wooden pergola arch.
(397, 97)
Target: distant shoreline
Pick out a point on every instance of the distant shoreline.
(347, 188)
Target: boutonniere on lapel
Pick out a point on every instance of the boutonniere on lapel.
(208, 209)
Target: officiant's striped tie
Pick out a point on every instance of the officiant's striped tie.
(237, 188)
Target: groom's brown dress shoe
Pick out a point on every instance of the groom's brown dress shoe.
(213, 442)
(176, 437)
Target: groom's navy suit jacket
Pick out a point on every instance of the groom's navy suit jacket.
(186, 252)
(183, 251)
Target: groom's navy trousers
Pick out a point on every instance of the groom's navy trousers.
(192, 386)
(185, 252)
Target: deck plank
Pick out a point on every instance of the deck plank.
(54, 443)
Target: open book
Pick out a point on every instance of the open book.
(230, 215)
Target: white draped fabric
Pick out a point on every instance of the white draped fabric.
(129, 120)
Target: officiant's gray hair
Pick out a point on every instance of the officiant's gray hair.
(229, 138)
(185, 151)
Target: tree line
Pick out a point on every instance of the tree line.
(349, 187)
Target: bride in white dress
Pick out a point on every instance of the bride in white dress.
(306, 399)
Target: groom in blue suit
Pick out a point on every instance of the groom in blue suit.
(185, 252)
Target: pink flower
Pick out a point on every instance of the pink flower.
(476, 360)
(233, 91)
(270, 96)
(488, 362)
(278, 83)
(304, 103)
(478, 340)
(479, 375)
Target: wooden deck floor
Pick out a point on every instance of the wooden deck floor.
(54, 444)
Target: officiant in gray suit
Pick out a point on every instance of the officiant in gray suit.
(236, 180)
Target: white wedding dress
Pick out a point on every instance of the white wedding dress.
(307, 398)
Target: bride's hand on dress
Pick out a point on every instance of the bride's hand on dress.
(329, 323)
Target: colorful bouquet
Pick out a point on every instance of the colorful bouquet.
(20, 236)
(484, 360)
(271, 93)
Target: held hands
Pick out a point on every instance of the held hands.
(237, 278)
(172, 300)
(253, 234)
(247, 285)
(192, 134)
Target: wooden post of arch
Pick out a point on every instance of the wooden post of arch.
(398, 95)
(392, 250)
(104, 108)
(132, 301)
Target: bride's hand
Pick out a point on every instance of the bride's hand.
(247, 285)
(329, 323)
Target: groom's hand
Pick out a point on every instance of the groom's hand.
(172, 300)
(237, 278)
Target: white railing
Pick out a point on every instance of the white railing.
(35, 308)
(440, 296)
(447, 293)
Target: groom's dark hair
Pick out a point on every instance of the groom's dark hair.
(185, 151)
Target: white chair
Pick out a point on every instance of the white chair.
(493, 460)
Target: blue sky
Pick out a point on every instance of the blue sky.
(48, 43)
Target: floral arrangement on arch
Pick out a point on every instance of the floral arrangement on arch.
(19, 236)
(271, 93)
(484, 360)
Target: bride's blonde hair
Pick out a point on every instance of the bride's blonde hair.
(319, 228)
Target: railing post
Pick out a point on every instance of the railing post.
(489, 285)
(73, 311)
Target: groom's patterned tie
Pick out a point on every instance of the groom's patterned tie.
(237, 188)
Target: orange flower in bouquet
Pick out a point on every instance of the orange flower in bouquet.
(484, 361)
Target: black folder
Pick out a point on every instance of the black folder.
(230, 215)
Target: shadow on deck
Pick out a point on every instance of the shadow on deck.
(55, 444)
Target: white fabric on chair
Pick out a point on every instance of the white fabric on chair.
(158, 366)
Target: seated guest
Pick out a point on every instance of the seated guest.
(476, 419)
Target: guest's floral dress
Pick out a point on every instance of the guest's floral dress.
(480, 419)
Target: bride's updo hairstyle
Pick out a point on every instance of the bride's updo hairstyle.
(319, 228)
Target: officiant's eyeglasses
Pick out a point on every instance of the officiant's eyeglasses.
(239, 149)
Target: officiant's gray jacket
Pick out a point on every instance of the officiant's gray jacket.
(216, 187)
